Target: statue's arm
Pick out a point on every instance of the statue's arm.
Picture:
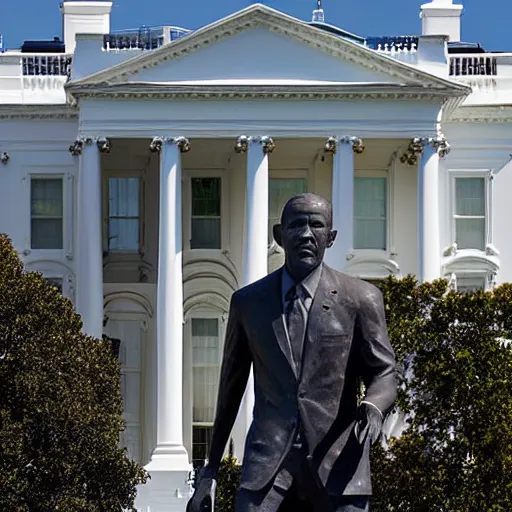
(236, 365)
(376, 354)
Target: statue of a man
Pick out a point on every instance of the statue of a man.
(312, 335)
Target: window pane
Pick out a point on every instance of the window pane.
(280, 191)
(123, 197)
(124, 234)
(56, 282)
(470, 196)
(470, 233)
(370, 211)
(46, 197)
(123, 210)
(470, 284)
(206, 365)
(205, 233)
(206, 197)
(201, 439)
(46, 234)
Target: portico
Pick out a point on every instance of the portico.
(215, 160)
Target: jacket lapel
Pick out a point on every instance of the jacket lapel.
(321, 311)
(274, 307)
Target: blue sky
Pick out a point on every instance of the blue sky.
(484, 21)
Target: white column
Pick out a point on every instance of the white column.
(169, 453)
(255, 254)
(343, 150)
(429, 248)
(89, 273)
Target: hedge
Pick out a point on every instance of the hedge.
(60, 404)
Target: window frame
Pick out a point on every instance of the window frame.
(377, 173)
(67, 179)
(106, 176)
(188, 175)
(484, 174)
(201, 312)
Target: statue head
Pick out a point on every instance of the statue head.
(305, 233)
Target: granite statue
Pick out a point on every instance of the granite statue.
(312, 335)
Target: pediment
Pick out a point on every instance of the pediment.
(260, 46)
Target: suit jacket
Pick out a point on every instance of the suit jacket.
(346, 340)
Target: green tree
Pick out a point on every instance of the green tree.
(456, 379)
(60, 404)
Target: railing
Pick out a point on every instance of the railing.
(474, 65)
(394, 44)
(46, 65)
(144, 38)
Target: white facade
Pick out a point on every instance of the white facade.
(182, 156)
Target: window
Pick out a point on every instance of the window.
(56, 282)
(206, 213)
(206, 358)
(470, 213)
(280, 190)
(46, 213)
(130, 332)
(123, 214)
(370, 213)
(470, 284)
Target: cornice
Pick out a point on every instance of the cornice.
(277, 22)
(497, 114)
(65, 112)
(134, 90)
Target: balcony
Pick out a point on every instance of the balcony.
(33, 78)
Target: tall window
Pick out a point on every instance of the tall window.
(470, 213)
(370, 213)
(206, 357)
(46, 211)
(280, 190)
(123, 214)
(130, 359)
(206, 213)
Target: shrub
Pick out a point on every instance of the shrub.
(60, 404)
(228, 482)
(456, 379)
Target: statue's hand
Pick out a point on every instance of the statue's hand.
(368, 423)
(203, 499)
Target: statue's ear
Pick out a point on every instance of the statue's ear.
(331, 237)
(277, 232)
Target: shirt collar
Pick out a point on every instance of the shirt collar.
(309, 283)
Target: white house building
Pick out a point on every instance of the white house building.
(141, 172)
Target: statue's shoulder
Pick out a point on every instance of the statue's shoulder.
(259, 287)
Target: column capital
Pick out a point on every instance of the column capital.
(418, 144)
(103, 144)
(333, 142)
(243, 141)
(157, 143)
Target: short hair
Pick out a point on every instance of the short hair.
(308, 197)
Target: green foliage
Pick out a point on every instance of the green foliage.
(456, 375)
(60, 404)
(228, 482)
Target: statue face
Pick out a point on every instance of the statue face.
(305, 233)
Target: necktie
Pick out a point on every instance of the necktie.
(296, 322)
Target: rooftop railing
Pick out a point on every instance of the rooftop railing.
(474, 65)
(144, 38)
(45, 65)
